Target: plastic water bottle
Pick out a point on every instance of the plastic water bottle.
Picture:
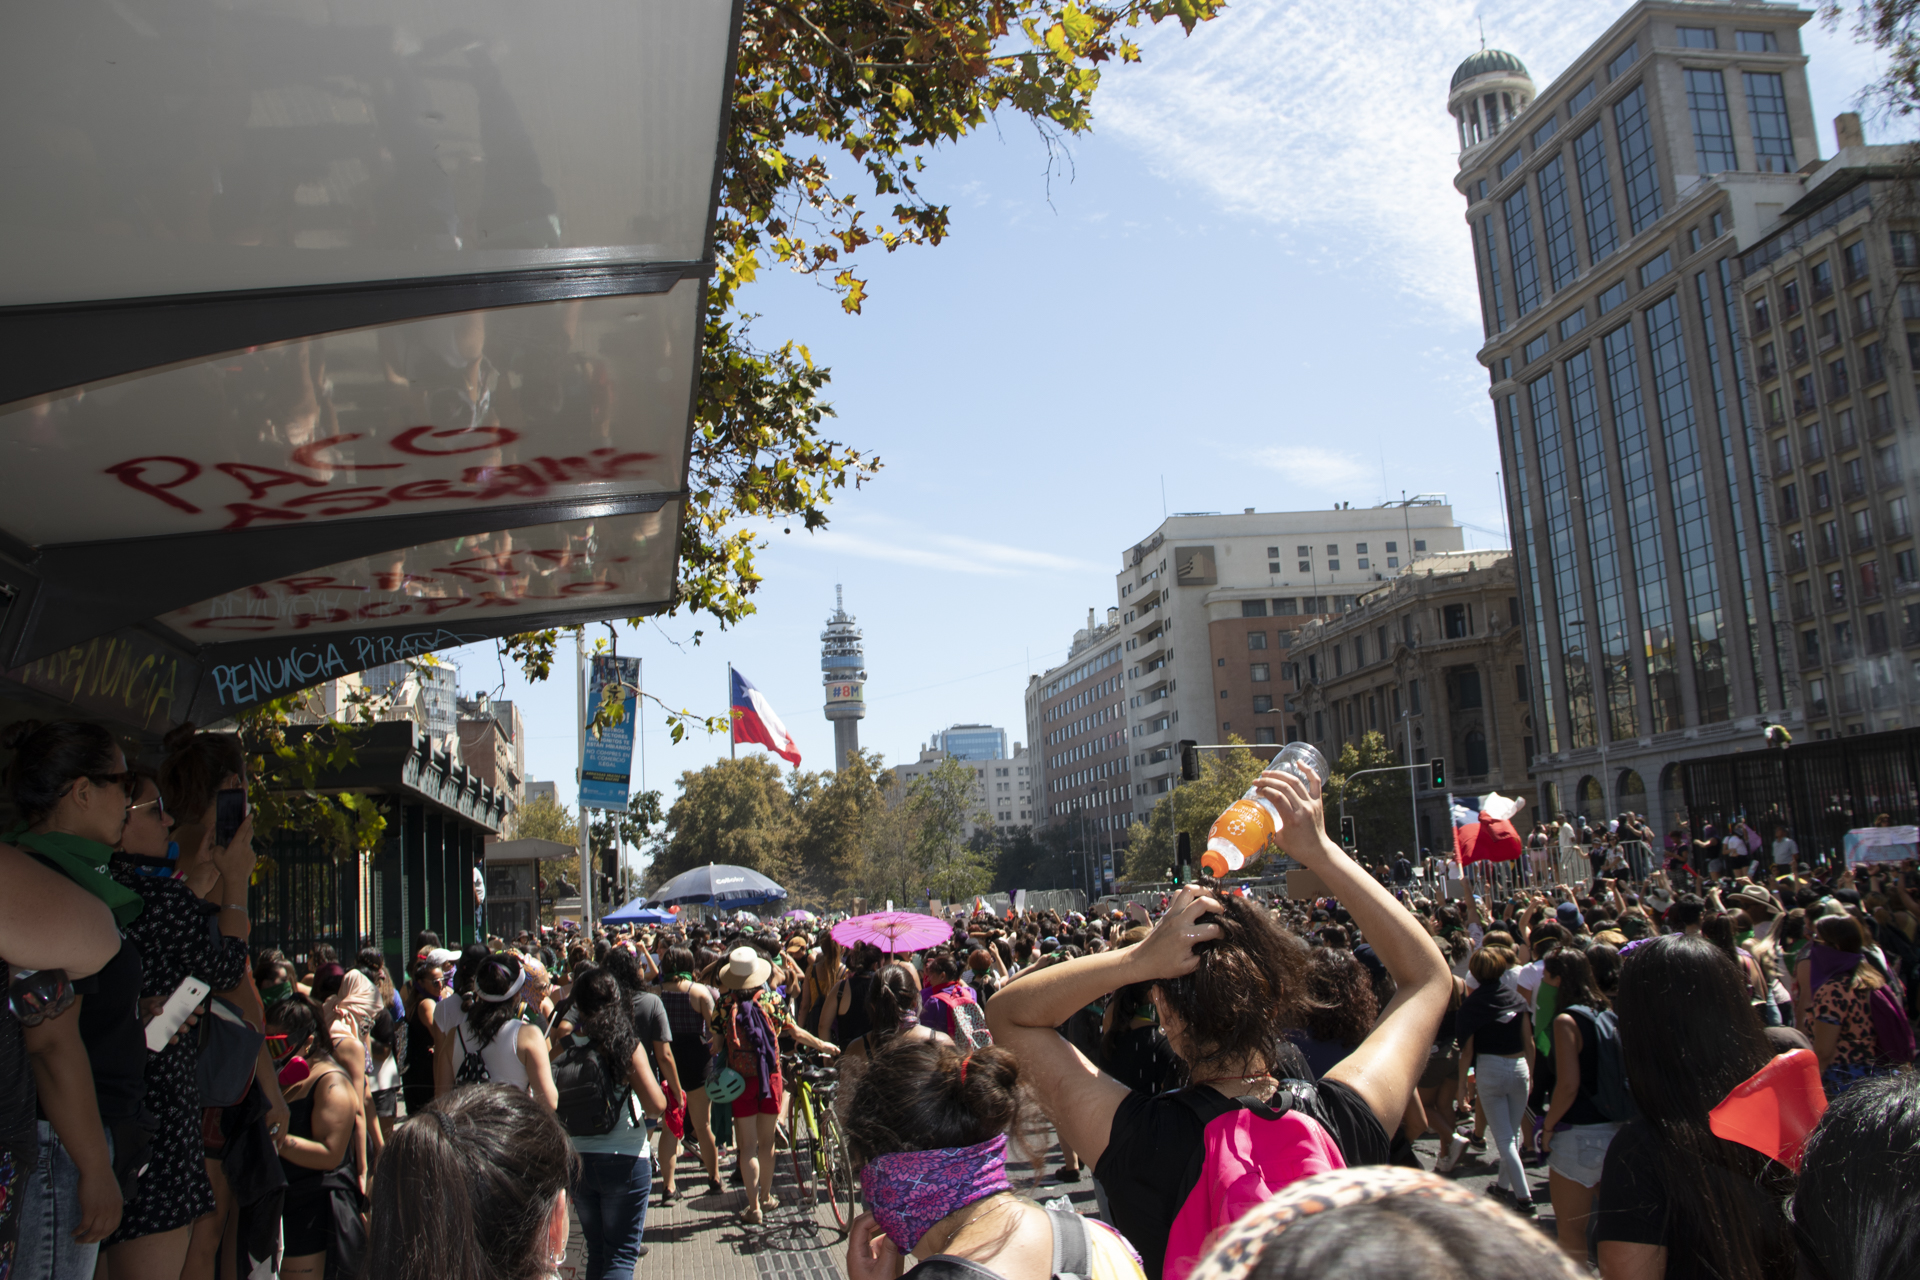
(1249, 822)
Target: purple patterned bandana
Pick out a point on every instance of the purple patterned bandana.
(909, 1191)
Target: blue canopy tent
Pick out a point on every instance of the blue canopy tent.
(638, 912)
(717, 886)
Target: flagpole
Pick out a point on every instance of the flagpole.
(733, 750)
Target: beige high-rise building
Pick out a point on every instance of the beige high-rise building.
(1203, 597)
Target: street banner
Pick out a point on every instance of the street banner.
(1880, 844)
(609, 757)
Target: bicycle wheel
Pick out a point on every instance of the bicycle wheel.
(837, 1174)
(801, 1144)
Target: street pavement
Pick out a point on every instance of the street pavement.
(697, 1237)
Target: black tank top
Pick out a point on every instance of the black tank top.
(419, 1069)
(854, 1023)
(300, 1125)
(683, 1020)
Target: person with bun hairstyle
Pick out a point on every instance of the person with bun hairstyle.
(473, 1188)
(893, 1011)
(1383, 1223)
(1226, 981)
(69, 784)
(928, 1128)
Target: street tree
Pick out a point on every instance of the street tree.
(833, 816)
(1379, 803)
(737, 812)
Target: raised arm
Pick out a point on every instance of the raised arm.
(1384, 1069)
(1079, 1100)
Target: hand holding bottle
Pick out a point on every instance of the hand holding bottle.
(1302, 832)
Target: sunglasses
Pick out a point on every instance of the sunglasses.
(125, 780)
(35, 995)
(156, 804)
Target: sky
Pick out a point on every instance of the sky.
(1250, 286)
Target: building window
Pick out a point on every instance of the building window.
(1822, 273)
(1419, 544)
(1837, 379)
(1333, 548)
(1790, 299)
(1319, 726)
(1624, 59)
(1306, 566)
(1454, 617)
(1508, 165)
(1712, 123)
(1333, 566)
(1906, 248)
(1556, 216)
(1273, 566)
(1393, 562)
(1362, 563)
(1878, 640)
(1413, 697)
(1789, 502)
(1544, 132)
(1256, 639)
(1257, 672)
(1696, 38)
(1762, 314)
(1637, 164)
(1253, 608)
(1654, 268)
(1810, 647)
(1522, 686)
(1339, 661)
(1303, 552)
(1568, 327)
(1842, 641)
(1596, 193)
(1772, 131)
(1756, 42)
(1534, 349)
(1286, 607)
(1262, 703)
(1822, 491)
(1359, 652)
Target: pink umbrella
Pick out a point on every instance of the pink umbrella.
(894, 930)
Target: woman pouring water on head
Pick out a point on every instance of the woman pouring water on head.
(1226, 981)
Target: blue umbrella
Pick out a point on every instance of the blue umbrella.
(730, 886)
(637, 912)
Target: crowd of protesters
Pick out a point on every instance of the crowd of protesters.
(1241, 1077)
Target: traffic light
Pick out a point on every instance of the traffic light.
(1182, 856)
(1346, 831)
(1189, 760)
(1438, 767)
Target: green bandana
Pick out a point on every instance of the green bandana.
(274, 993)
(84, 862)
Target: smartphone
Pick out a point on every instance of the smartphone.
(229, 811)
(185, 999)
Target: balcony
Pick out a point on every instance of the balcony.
(1852, 485)
(1879, 419)
(1869, 591)
(1802, 609)
(1843, 433)
(1861, 541)
(1834, 604)
(1783, 466)
(1796, 557)
(1828, 550)
(1769, 370)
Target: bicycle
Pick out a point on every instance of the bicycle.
(816, 1144)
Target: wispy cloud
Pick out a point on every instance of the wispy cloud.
(899, 543)
(1306, 467)
(1327, 118)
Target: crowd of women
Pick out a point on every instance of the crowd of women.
(1242, 1080)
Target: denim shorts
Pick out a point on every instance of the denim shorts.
(1579, 1152)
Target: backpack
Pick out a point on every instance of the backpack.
(1890, 1027)
(473, 1067)
(967, 1019)
(1610, 1093)
(590, 1098)
(736, 1043)
(1252, 1150)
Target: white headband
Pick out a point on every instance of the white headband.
(508, 994)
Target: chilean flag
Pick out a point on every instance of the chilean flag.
(754, 721)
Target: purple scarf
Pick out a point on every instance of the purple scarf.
(1825, 963)
(909, 1191)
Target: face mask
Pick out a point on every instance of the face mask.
(909, 1191)
(274, 993)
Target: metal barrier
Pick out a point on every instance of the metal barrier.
(1819, 790)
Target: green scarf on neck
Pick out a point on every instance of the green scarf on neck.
(84, 862)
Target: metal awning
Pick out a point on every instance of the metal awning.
(343, 331)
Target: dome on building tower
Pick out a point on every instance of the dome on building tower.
(1486, 62)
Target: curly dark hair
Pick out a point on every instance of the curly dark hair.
(1344, 1007)
(920, 1096)
(1250, 983)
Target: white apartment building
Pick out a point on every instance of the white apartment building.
(1002, 786)
(1186, 590)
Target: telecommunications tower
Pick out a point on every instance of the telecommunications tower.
(843, 667)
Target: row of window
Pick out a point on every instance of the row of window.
(1845, 645)
(1833, 593)
(1296, 606)
(1853, 483)
(1828, 545)
(1085, 723)
(1074, 677)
